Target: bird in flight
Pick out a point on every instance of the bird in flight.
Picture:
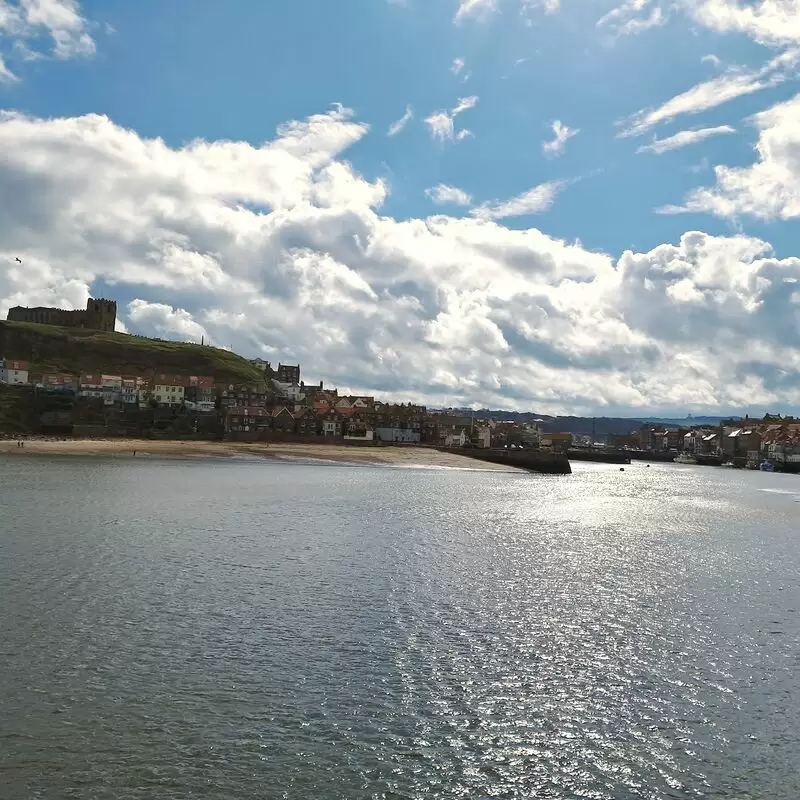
(18, 260)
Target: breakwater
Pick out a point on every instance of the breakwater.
(601, 456)
(531, 460)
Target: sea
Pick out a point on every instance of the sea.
(254, 629)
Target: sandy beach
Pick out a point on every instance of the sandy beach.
(125, 448)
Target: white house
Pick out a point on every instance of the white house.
(482, 436)
(395, 434)
(91, 385)
(331, 427)
(456, 438)
(112, 388)
(13, 373)
(293, 391)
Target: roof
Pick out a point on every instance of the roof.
(10, 363)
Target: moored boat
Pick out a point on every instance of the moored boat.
(685, 458)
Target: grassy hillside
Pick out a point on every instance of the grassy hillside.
(53, 349)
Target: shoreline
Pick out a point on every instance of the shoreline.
(274, 451)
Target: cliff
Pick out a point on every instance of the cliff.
(49, 348)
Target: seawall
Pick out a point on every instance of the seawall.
(531, 460)
(600, 456)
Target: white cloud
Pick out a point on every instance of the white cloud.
(709, 94)
(770, 22)
(534, 201)
(400, 124)
(562, 134)
(26, 22)
(442, 123)
(632, 17)
(476, 8)
(464, 104)
(684, 139)
(710, 58)
(770, 188)
(449, 195)
(457, 66)
(281, 250)
(6, 75)
(167, 322)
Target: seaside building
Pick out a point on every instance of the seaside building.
(288, 373)
(201, 393)
(57, 382)
(247, 422)
(169, 390)
(13, 373)
(90, 386)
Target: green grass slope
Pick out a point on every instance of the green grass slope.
(53, 349)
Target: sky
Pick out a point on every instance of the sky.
(564, 206)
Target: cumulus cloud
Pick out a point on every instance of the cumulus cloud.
(166, 322)
(770, 188)
(281, 250)
(684, 139)
(441, 124)
(733, 83)
(449, 195)
(26, 23)
(769, 22)
(400, 124)
(562, 134)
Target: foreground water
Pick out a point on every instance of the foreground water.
(260, 630)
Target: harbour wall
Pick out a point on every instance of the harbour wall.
(531, 460)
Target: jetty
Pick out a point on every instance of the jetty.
(602, 456)
(531, 460)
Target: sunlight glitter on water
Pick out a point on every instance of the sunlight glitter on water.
(291, 631)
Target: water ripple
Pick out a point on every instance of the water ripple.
(276, 630)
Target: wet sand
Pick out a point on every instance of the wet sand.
(125, 448)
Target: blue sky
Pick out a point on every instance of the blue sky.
(525, 327)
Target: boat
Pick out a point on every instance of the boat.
(766, 466)
(685, 458)
(728, 464)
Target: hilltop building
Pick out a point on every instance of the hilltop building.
(100, 315)
(288, 373)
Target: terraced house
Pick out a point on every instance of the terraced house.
(13, 373)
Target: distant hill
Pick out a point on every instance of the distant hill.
(53, 349)
(690, 422)
(585, 426)
(601, 426)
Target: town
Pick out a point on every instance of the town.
(283, 407)
(278, 405)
